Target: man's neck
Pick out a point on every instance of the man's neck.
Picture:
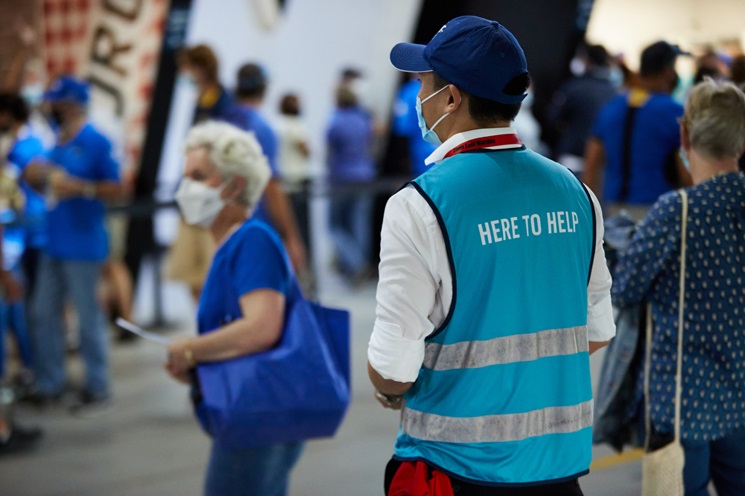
(71, 129)
(469, 124)
(654, 85)
(253, 103)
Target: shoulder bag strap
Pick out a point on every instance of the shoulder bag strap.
(681, 311)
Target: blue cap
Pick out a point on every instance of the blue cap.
(477, 55)
(68, 89)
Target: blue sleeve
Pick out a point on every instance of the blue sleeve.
(676, 112)
(107, 168)
(25, 151)
(653, 249)
(268, 141)
(599, 126)
(223, 106)
(259, 262)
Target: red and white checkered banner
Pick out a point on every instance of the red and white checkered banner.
(115, 44)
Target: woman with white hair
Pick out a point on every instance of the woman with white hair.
(242, 307)
(712, 406)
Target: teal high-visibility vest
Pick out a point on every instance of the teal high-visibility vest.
(504, 396)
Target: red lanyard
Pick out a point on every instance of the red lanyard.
(485, 142)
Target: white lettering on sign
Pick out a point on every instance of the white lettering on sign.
(507, 229)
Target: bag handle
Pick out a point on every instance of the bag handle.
(681, 314)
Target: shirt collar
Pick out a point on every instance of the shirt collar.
(460, 138)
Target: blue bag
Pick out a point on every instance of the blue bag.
(298, 390)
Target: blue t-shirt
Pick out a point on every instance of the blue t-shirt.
(252, 258)
(26, 148)
(75, 227)
(655, 142)
(349, 139)
(406, 124)
(212, 105)
(250, 119)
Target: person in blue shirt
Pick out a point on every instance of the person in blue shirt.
(712, 427)
(76, 176)
(349, 140)
(192, 250)
(250, 89)
(632, 155)
(198, 65)
(18, 146)
(24, 237)
(249, 286)
(405, 124)
(26, 146)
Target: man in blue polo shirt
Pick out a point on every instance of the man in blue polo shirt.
(275, 208)
(78, 174)
(493, 287)
(632, 155)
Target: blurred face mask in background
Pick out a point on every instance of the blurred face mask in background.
(199, 203)
(33, 94)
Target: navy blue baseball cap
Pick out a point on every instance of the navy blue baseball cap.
(477, 55)
(68, 89)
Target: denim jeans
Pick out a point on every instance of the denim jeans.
(262, 471)
(58, 281)
(350, 231)
(721, 461)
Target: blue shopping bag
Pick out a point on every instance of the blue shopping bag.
(298, 390)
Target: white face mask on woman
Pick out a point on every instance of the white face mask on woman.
(198, 202)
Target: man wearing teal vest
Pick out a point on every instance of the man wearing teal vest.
(493, 288)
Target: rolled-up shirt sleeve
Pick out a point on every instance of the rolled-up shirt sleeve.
(409, 305)
(600, 324)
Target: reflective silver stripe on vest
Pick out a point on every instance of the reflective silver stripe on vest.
(508, 349)
(497, 428)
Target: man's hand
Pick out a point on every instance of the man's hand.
(64, 186)
(392, 402)
(388, 393)
(36, 174)
(12, 288)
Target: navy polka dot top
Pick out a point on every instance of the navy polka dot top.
(713, 394)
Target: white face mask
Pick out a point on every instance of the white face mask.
(198, 202)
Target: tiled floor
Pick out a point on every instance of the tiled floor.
(150, 444)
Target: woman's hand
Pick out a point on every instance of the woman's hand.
(179, 361)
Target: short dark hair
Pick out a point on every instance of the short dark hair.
(598, 56)
(486, 112)
(658, 57)
(13, 104)
(737, 70)
(290, 104)
(251, 81)
(203, 57)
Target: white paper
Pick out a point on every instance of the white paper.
(147, 335)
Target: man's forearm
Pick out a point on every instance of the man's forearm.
(387, 386)
(597, 345)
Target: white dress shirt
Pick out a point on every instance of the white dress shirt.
(415, 287)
